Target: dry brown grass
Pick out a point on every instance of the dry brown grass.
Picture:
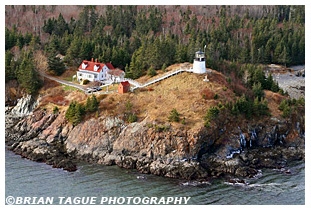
(69, 73)
(53, 94)
(274, 99)
(173, 67)
(182, 92)
(185, 92)
(48, 84)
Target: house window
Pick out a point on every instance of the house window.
(90, 76)
(95, 76)
(80, 75)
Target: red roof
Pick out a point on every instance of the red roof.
(89, 66)
(125, 83)
(109, 65)
(116, 72)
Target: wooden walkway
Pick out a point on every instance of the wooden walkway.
(157, 79)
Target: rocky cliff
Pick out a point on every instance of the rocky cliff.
(171, 152)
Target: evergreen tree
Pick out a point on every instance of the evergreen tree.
(74, 113)
(60, 26)
(275, 87)
(26, 72)
(258, 91)
(10, 38)
(49, 25)
(93, 17)
(70, 111)
(56, 65)
(269, 83)
(151, 71)
(10, 73)
(78, 114)
(73, 52)
(91, 104)
(136, 64)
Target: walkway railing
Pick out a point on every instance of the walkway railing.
(157, 79)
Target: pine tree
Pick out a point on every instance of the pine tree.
(10, 72)
(56, 65)
(78, 114)
(93, 17)
(26, 73)
(151, 71)
(60, 26)
(70, 111)
(49, 25)
(74, 113)
(91, 104)
(268, 83)
(73, 52)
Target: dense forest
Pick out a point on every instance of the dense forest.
(235, 39)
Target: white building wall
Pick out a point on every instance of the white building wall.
(103, 73)
(84, 75)
(199, 67)
(101, 76)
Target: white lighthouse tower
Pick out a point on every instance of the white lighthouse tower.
(199, 63)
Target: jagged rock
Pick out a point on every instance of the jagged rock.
(188, 154)
(108, 160)
(24, 106)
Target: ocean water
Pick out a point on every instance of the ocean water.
(25, 178)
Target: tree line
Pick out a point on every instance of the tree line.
(137, 39)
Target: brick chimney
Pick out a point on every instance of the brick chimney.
(92, 60)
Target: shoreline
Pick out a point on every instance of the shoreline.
(44, 137)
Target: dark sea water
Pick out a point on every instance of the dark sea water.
(25, 178)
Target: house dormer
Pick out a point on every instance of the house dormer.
(95, 71)
(96, 66)
(84, 64)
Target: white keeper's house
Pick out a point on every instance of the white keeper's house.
(95, 71)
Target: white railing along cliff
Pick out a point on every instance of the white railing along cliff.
(157, 79)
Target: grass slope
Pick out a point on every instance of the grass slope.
(185, 92)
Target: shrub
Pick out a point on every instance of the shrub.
(132, 117)
(285, 106)
(164, 67)
(174, 116)
(128, 106)
(282, 105)
(152, 72)
(55, 110)
(212, 113)
(260, 107)
(162, 128)
(244, 106)
(129, 115)
(86, 81)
